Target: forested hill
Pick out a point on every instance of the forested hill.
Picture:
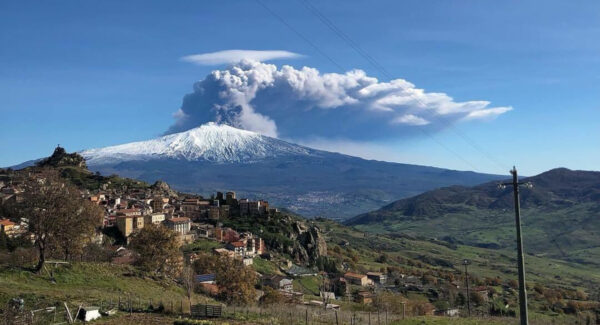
(561, 215)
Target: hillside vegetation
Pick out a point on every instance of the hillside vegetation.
(560, 216)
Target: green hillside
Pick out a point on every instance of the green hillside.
(560, 216)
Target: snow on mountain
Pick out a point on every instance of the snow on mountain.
(210, 142)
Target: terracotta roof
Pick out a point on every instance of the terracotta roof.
(6, 222)
(375, 273)
(354, 275)
(238, 244)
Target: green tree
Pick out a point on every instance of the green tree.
(158, 250)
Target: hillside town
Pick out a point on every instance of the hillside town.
(127, 210)
(235, 251)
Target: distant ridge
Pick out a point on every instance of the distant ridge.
(217, 157)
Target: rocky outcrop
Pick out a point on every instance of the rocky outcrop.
(60, 158)
(309, 243)
(160, 186)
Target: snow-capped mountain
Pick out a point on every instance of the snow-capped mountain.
(210, 142)
(311, 182)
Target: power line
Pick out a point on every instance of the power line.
(384, 71)
(364, 54)
(283, 21)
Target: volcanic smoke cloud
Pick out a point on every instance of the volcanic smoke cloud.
(291, 103)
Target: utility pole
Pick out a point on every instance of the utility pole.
(520, 260)
(465, 263)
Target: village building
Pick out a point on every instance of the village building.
(364, 297)
(230, 199)
(223, 252)
(226, 235)
(278, 282)
(129, 224)
(157, 204)
(377, 277)
(357, 279)
(154, 218)
(181, 225)
(237, 247)
(7, 226)
(203, 230)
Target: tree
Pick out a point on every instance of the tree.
(83, 217)
(271, 297)
(235, 280)
(188, 281)
(158, 250)
(57, 215)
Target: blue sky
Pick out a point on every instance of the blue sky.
(97, 73)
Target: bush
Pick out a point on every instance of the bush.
(23, 257)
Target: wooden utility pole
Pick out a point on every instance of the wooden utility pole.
(520, 259)
(465, 263)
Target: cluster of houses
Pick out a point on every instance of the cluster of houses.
(10, 191)
(190, 217)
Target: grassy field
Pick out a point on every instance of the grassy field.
(87, 284)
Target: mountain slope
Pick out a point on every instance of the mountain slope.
(560, 215)
(209, 142)
(307, 181)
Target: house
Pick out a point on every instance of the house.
(129, 224)
(364, 297)
(278, 282)
(226, 235)
(223, 252)
(194, 208)
(238, 248)
(357, 279)
(203, 230)
(247, 261)
(377, 277)
(157, 204)
(253, 208)
(180, 225)
(154, 218)
(230, 198)
(7, 226)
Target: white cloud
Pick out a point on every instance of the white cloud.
(234, 56)
(487, 113)
(410, 119)
(301, 103)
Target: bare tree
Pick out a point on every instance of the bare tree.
(188, 281)
(57, 214)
